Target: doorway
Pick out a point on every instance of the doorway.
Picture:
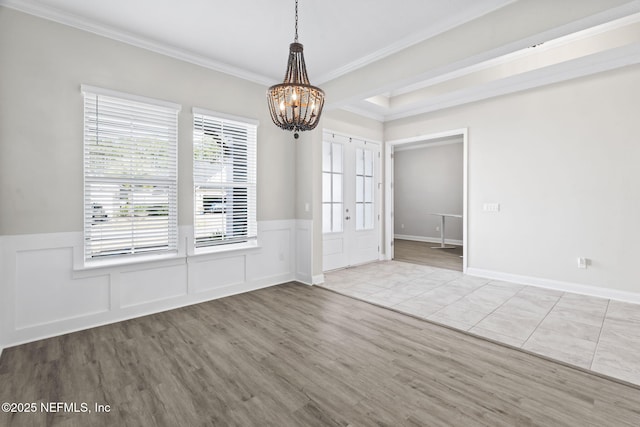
(350, 201)
(412, 244)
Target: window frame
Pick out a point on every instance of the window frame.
(155, 123)
(243, 168)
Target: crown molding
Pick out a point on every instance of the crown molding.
(469, 14)
(33, 8)
(363, 112)
(617, 13)
(580, 67)
(556, 73)
(606, 21)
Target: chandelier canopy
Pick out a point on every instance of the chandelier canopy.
(295, 104)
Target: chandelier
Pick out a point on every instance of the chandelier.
(295, 104)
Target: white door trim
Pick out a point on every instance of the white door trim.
(388, 186)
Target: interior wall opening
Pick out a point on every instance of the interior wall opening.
(426, 203)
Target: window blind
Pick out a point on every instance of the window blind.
(224, 176)
(130, 174)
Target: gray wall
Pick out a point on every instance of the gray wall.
(428, 180)
(562, 162)
(45, 289)
(41, 112)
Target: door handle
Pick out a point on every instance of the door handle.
(347, 218)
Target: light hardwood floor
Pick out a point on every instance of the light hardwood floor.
(293, 355)
(423, 254)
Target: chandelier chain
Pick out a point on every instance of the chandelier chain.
(296, 38)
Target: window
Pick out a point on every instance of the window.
(130, 175)
(332, 174)
(224, 177)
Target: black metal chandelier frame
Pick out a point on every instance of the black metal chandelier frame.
(295, 105)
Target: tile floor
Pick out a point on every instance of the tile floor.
(593, 333)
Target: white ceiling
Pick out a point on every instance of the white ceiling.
(253, 36)
(250, 38)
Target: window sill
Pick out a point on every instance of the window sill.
(100, 267)
(126, 262)
(133, 263)
(222, 249)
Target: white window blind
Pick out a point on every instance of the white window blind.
(130, 174)
(224, 176)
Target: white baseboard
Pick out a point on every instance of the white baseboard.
(427, 239)
(576, 288)
(305, 279)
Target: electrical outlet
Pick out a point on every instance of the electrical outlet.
(402, 226)
(582, 262)
(437, 228)
(491, 207)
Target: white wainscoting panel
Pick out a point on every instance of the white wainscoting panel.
(45, 291)
(208, 274)
(275, 256)
(156, 284)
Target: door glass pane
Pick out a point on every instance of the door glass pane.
(326, 187)
(337, 157)
(368, 190)
(337, 188)
(368, 216)
(359, 189)
(326, 156)
(359, 161)
(368, 162)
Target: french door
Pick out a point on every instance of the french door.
(350, 201)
